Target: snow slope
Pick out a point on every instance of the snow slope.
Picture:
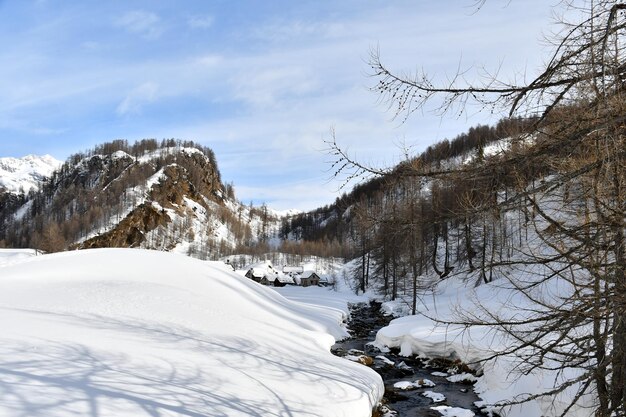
(26, 173)
(126, 332)
(323, 298)
(9, 256)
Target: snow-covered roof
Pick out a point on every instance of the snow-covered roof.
(258, 272)
(297, 269)
(262, 264)
(307, 274)
(286, 279)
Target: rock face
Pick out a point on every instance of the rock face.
(166, 196)
(131, 231)
(191, 181)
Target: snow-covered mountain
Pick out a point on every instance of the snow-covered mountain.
(157, 195)
(24, 174)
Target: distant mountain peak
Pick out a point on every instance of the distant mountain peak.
(27, 172)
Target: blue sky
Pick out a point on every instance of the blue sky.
(260, 82)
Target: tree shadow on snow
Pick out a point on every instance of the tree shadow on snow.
(50, 378)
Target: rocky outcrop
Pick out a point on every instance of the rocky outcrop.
(131, 231)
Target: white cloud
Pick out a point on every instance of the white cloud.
(200, 22)
(299, 30)
(133, 102)
(302, 195)
(266, 86)
(143, 23)
(28, 127)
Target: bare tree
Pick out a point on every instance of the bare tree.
(570, 183)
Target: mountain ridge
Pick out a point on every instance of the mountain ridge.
(26, 173)
(166, 196)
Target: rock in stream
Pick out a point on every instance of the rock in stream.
(413, 387)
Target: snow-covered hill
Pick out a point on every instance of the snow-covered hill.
(24, 174)
(125, 332)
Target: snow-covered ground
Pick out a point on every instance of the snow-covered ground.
(322, 298)
(425, 335)
(126, 332)
(9, 256)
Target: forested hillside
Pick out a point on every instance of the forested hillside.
(165, 195)
(361, 222)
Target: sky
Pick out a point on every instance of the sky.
(263, 83)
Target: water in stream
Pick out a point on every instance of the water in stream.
(364, 323)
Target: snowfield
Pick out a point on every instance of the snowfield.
(10, 256)
(125, 332)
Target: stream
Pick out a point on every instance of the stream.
(413, 372)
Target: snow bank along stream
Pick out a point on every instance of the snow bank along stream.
(413, 386)
(501, 379)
